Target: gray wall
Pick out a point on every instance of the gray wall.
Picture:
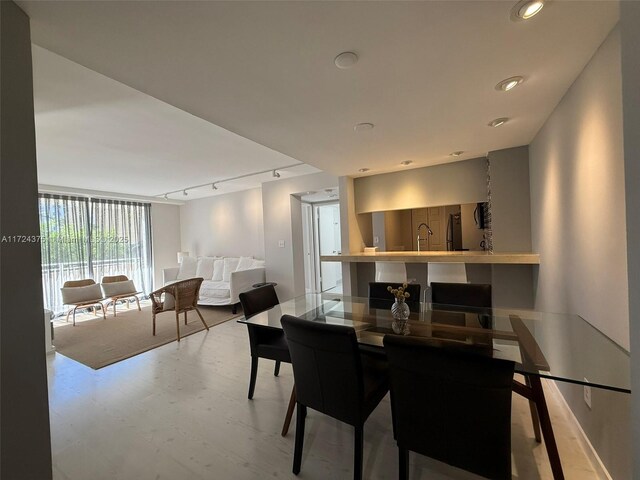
(281, 222)
(578, 225)
(165, 232)
(228, 225)
(512, 285)
(449, 184)
(25, 446)
(630, 39)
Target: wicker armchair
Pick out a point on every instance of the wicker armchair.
(126, 291)
(180, 297)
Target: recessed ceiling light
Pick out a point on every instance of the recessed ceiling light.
(363, 127)
(509, 83)
(362, 170)
(498, 121)
(406, 162)
(526, 9)
(456, 154)
(346, 60)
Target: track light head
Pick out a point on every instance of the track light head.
(276, 174)
(184, 192)
(213, 186)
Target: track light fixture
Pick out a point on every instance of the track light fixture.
(214, 186)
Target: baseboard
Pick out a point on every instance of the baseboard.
(582, 438)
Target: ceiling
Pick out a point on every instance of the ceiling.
(95, 133)
(265, 71)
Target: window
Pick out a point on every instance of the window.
(91, 238)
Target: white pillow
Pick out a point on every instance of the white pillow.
(72, 295)
(205, 267)
(218, 268)
(118, 288)
(245, 263)
(258, 264)
(187, 268)
(230, 265)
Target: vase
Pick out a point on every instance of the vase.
(400, 310)
(400, 313)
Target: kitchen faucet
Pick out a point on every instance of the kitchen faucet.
(429, 232)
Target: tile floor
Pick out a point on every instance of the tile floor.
(181, 412)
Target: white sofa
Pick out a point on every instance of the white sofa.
(225, 278)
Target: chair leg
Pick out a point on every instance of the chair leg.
(403, 461)
(154, 324)
(254, 374)
(234, 308)
(276, 370)
(178, 324)
(301, 414)
(202, 319)
(104, 311)
(68, 313)
(74, 316)
(358, 447)
(185, 318)
(138, 302)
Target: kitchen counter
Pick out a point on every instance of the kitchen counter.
(511, 258)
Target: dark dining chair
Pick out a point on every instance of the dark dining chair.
(463, 294)
(452, 404)
(333, 378)
(381, 297)
(264, 342)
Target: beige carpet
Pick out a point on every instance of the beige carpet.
(98, 342)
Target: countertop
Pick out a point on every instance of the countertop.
(514, 258)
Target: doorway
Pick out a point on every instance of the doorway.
(321, 236)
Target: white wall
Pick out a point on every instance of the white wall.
(165, 233)
(227, 225)
(579, 229)
(283, 221)
(578, 205)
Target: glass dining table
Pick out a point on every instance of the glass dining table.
(560, 347)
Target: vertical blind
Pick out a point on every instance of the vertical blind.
(91, 238)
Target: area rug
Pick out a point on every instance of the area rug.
(98, 343)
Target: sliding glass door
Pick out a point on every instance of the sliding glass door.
(91, 238)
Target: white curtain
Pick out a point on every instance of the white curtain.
(91, 238)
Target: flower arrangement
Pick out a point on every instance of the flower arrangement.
(399, 292)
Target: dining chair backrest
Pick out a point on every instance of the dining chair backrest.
(326, 367)
(258, 300)
(463, 294)
(380, 296)
(451, 404)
